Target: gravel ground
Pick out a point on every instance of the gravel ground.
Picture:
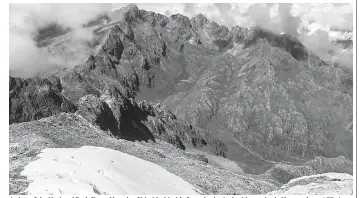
(72, 131)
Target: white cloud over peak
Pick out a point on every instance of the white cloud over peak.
(311, 23)
(327, 15)
(26, 58)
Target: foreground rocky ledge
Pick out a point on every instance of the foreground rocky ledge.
(321, 184)
(66, 130)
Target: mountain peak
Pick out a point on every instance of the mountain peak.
(200, 20)
(181, 20)
(127, 13)
(132, 9)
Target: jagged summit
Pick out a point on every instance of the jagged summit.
(200, 26)
(200, 19)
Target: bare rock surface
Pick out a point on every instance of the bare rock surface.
(322, 184)
(35, 98)
(283, 173)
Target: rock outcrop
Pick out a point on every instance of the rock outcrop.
(283, 173)
(322, 184)
(35, 98)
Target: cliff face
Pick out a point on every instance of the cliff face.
(35, 98)
(247, 94)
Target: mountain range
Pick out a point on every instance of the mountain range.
(259, 107)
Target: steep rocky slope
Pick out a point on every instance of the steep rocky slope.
(251, 96)
(271, 102)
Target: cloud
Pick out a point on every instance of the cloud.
(276, 18)
(327, 16)
(260, 15)
(344, 58)
(289, 23)
(322, 45)
(316, 25)
(26, 59)
(318, 42)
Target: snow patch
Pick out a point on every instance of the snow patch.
(97, 170)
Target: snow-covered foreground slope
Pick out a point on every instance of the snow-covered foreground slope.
(98, 170)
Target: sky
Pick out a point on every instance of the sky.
(315, 25)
